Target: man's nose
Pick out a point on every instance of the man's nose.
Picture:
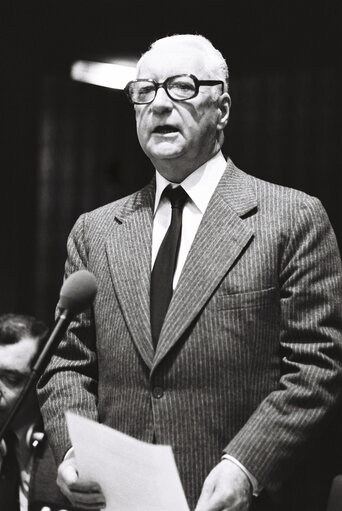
(162, 101)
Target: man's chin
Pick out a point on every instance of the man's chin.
(165, 151)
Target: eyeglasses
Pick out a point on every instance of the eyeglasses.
(178, 88)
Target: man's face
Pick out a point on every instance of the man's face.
(15, 366)
(178, 137)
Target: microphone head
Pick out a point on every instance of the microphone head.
(78, 291)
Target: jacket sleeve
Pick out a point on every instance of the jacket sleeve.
(310, 346)
(70, 380)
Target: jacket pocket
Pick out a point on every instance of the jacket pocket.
(246, 300)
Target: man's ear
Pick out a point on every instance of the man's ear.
(224, 106)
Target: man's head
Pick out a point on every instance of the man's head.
(20, 340)
(180, 135)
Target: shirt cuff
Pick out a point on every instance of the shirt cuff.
(256, 487)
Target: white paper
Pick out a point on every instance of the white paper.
(133, 475)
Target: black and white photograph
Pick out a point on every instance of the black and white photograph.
(170, 271)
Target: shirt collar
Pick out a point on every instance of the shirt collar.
(199, 185)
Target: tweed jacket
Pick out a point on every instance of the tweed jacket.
(248, 359)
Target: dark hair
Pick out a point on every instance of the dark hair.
(13, 327)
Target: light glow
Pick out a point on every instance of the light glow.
(104, 74)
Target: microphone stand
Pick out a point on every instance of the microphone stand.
(38, 368)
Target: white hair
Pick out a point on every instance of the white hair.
(218, 65)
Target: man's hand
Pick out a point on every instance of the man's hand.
(81, 493)
(227, 488)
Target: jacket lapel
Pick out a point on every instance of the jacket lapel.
(220, 239)
(129, 259)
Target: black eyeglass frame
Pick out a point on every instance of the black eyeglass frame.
(163, 85)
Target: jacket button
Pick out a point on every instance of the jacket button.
(157, 392)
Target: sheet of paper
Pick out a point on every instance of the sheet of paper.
(133, 475)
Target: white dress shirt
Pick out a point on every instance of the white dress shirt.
(200, 186)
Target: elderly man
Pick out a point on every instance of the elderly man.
(217, 324)
(27, 467)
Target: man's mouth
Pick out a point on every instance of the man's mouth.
(165, 129)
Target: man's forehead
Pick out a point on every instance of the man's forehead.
(170, 60)
(18, 355)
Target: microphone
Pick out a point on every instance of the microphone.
(77, 293)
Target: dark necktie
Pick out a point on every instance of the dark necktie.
(165, 263)
(10, 476)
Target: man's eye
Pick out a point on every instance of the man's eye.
(182, 86)
(14, 380)
(144, 91)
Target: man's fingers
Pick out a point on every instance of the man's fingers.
(215, 501)
(211, 505)
(93, 500)
(82, 486)
(226, 488)
(206, 494)
(86, 499)
(81, 493)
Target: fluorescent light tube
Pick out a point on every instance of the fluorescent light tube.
(104, 74)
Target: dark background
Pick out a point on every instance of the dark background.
(68, 147)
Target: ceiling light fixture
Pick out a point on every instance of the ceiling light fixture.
(104, 74)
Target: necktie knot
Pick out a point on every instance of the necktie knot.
(177, 196)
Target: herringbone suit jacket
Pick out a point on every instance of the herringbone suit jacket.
(248, 360)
